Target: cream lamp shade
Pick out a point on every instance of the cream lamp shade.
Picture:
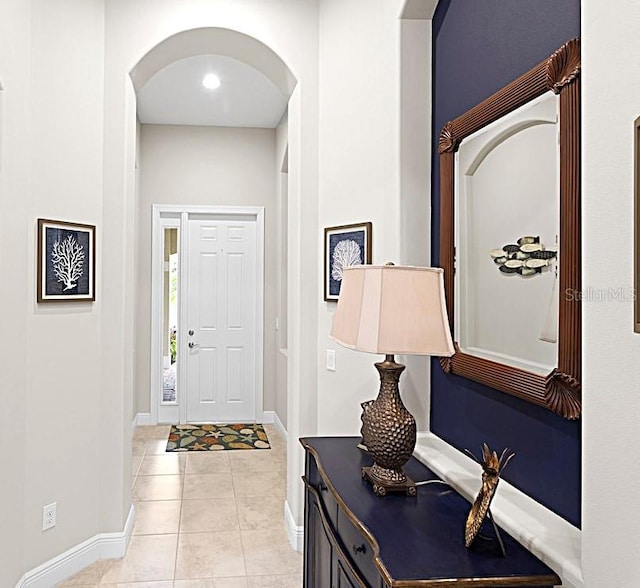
(392, 309)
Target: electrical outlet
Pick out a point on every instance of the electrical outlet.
(49, 516)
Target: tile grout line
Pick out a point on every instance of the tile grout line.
(183, 483)
(235, 502)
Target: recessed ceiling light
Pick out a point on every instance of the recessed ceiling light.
(211, 81)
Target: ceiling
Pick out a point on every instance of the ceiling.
(246, 97)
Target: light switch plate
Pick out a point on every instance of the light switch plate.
(331, 360)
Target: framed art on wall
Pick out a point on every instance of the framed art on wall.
(344, 246)
(66, 261)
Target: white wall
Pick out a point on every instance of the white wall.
(415, 175)
(611, 475)
(289, 28)
(65, 445)
(16, 235)
(365, 175)
(64, 353)
(280, 334)
(212, 166)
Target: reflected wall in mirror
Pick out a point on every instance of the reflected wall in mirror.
(510, 236)
(506, 235)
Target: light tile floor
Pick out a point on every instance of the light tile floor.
(203, 520)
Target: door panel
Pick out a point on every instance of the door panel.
(235, 292)
(208, 279)
(221, 312)
(235, 374)
(205, 369)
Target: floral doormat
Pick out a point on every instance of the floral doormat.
(217, 437)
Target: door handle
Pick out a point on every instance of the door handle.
(193, 345)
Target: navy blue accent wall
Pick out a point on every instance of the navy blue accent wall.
(480, 46)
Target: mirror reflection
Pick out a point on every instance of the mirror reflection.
(507, 215)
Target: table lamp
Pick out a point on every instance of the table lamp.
(391, 310)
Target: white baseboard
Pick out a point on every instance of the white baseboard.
(294, 532)
(65, 565)
(279, 426)
(269, 417)
(142, 418)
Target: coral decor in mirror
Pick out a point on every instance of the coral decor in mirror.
(510, 236)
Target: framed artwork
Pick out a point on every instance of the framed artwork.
(344, 246)
(66, 261)
(636, 223)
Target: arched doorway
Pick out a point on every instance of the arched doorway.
(223, 44)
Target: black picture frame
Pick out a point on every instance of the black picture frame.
(344, 245)
(66, 261)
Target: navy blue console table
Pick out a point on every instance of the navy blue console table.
(355, 539)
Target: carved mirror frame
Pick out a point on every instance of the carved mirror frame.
(559, 390)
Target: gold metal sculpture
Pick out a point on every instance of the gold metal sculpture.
(492, 466)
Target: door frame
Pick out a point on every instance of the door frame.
(178, 215)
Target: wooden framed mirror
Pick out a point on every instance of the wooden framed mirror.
(543, 101)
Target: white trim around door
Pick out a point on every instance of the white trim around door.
(165, 216)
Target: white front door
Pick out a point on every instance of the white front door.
(221, 315)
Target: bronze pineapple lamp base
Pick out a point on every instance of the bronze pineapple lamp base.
(389, 310)
(389, 433)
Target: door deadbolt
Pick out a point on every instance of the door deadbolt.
(190, 331)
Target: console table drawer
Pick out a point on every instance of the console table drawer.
(358, 549)
(326, 498)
